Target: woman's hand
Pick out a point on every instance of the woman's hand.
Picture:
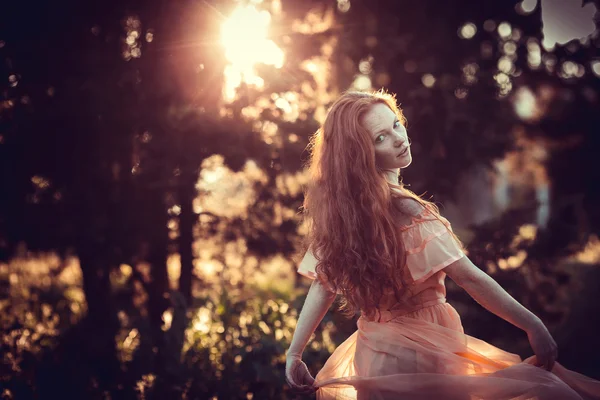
(543, 346)
(298, 376)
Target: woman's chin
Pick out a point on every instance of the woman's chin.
(404, 162)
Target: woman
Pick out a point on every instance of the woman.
(387, 252)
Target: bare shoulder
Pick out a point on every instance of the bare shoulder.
(407, 206)
(406, 210)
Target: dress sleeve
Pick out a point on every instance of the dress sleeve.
(429, 247)
(307, 269)
(307, 265)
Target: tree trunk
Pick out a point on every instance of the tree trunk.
(101, 323)
(187, 218)
(158, 296)
(158, 300)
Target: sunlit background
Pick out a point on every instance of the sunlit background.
(283, 63)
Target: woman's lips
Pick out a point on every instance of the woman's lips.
(403, 153)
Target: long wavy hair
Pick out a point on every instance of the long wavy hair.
(348, 208)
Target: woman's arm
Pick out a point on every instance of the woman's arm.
(487, 292)
(315, 307)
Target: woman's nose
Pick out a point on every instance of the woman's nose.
(401, 141)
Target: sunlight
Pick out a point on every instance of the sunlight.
(174, 270)
(244, 36)
(227, 193)
(590, 254)
(167, 318)
(203, 319)
(567, 20)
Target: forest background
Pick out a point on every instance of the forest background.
(151, 176)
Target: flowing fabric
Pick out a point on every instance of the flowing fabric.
(417, 349)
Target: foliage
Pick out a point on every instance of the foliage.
(111, 122)
(234, 347)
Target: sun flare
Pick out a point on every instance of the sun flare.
(244, 37)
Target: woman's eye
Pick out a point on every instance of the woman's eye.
(396, 124)
(376, 139)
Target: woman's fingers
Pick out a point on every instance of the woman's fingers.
(551, 357)
(307, 379)
(547, 360)
(299, 378)
(303, 389)
(552, 360)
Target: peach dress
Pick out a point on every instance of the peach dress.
(417, 348)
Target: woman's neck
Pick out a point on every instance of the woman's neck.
(391, 175)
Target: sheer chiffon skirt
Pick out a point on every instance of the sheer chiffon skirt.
(426, 355)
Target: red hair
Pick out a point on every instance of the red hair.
(352, 230)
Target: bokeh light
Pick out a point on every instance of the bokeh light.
(525, 104)
(504, 84)
(362, 83)
(470, 70)
(570, 69)
(487, 49)
(343, 5)
(467, 31)
(504, 30)
(131, 44)
(489, 25)
(505, 65)
(509, 48)
(428, 80)
(526, 7)
(534, 53)
(595, 67)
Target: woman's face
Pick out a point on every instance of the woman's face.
(389, 137)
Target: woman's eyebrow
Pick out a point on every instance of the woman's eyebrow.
(384, 129)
